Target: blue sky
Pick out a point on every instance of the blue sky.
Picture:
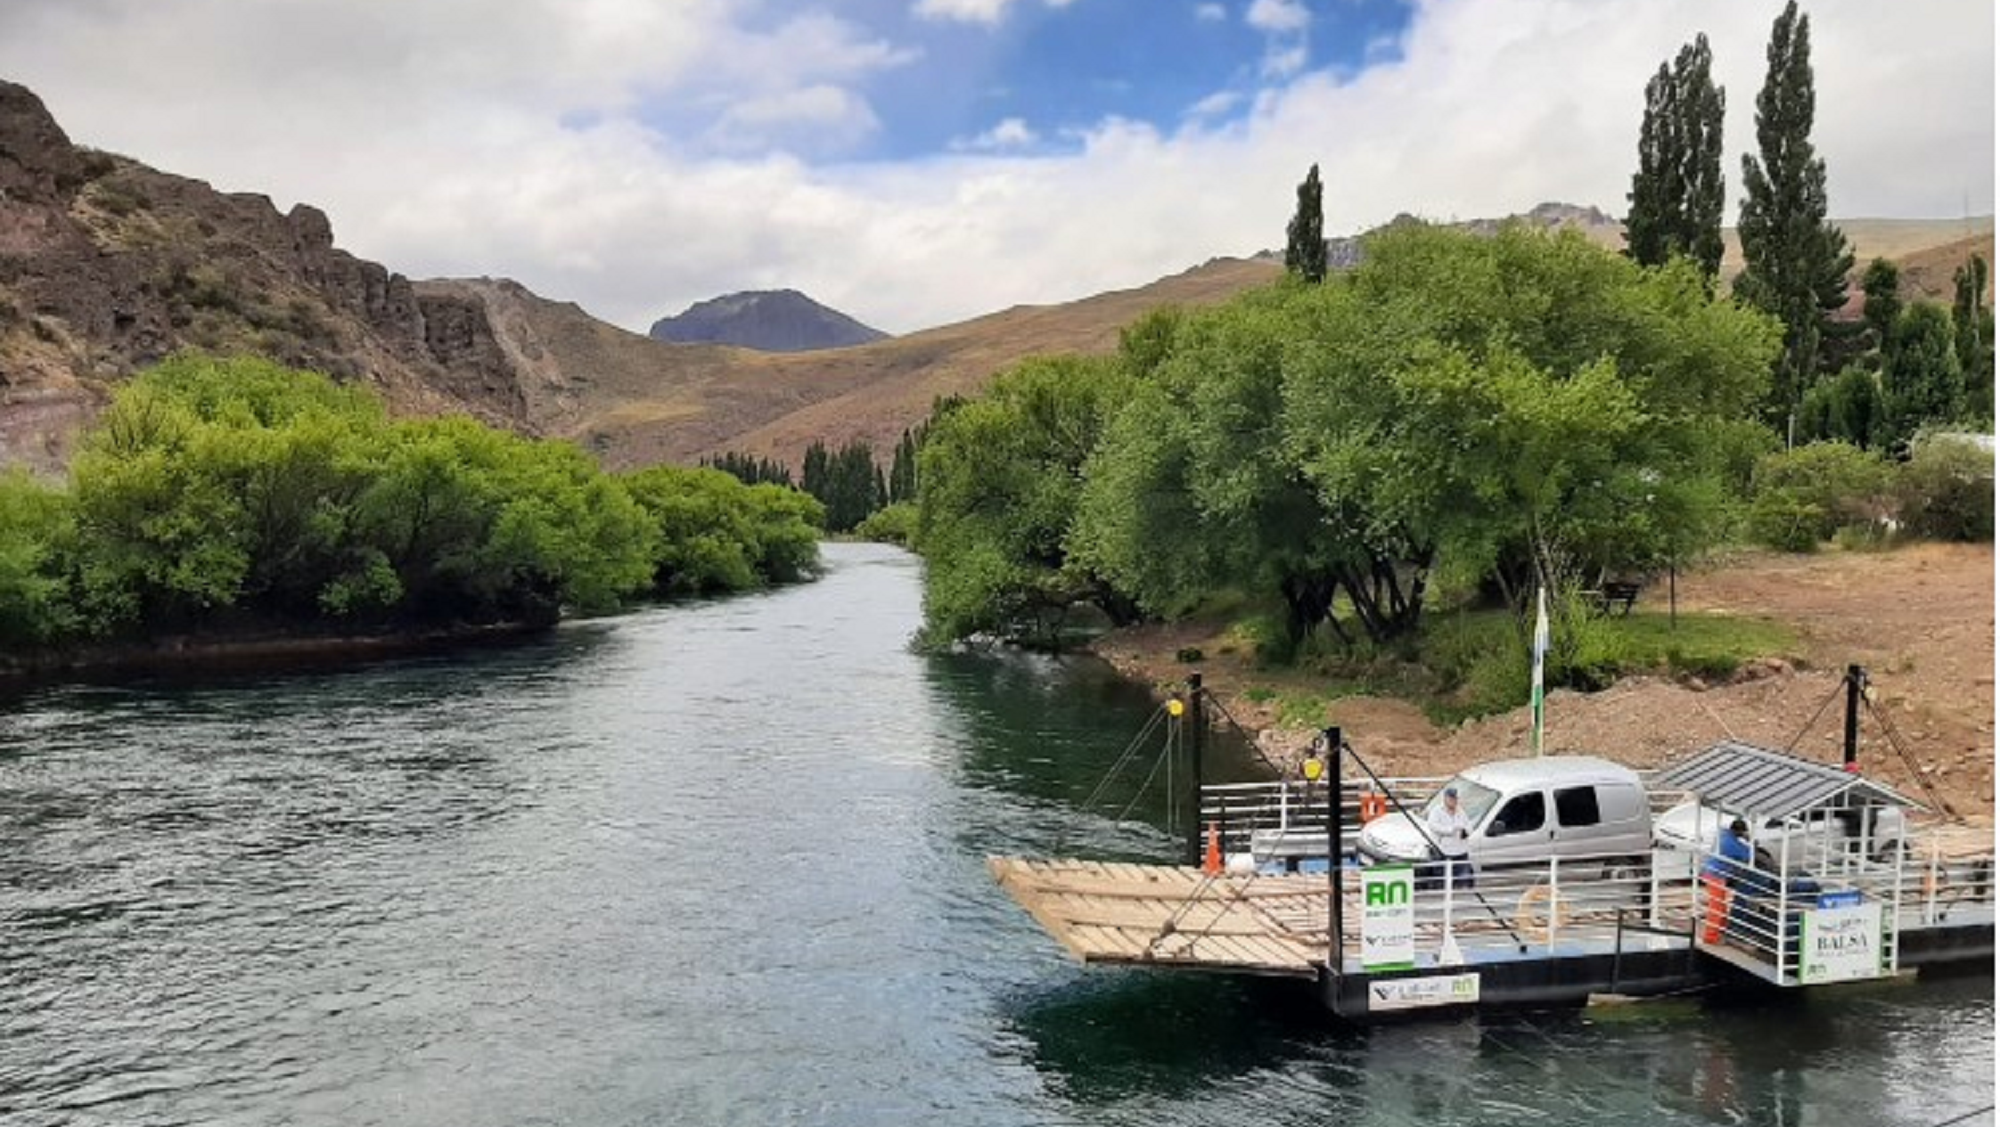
(917, 162)
(1059, 71)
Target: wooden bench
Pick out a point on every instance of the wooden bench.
(1620, 595)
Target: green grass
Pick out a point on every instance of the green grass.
(1471, 663)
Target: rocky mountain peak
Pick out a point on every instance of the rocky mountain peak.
(767, 320)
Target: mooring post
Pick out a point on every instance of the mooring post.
(1336, 952)
(1197, 730)
(1857, 680)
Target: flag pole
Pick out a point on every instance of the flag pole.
(1541, 650)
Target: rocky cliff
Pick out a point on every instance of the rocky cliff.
(107, 265)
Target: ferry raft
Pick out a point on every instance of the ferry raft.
(1852, 881)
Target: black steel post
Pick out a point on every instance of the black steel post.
(1857, 679)
(1337, 938)
(1197, 731)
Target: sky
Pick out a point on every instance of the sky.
(918, 162)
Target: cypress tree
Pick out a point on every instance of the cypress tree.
(1922, 382)
(1882, 284)
(1972, 327)
(1677, 192)
(903, 470)
(1795, 264)
(1305, 235)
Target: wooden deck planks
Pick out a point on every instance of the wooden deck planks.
(1119, 912)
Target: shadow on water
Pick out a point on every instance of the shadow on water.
(1072, 741)
(1120, 1035)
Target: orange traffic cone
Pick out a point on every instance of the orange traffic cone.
(1211, 861)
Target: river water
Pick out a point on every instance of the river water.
(724, 863)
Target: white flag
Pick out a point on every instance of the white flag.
(1541, 650)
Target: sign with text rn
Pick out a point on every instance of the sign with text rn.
(1419, 993)
(1841, 944)
(1388, 918)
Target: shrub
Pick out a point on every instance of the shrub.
(1946, 489)
(892, 524)
(1804, 495)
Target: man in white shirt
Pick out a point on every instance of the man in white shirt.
(1452, 831)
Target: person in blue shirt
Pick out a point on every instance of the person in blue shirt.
(1733, 852)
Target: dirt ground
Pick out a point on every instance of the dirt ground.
(1919, 619)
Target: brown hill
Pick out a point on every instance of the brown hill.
(775, 406)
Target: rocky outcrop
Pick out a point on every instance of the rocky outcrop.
(38, 165)
(766, 320)
(107, 266)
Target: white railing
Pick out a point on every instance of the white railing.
(1287, 819)
(1569, 905)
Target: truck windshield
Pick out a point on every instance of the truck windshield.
(1474, 799)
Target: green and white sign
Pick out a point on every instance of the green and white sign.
(1841, 944)
(1388, 994)
(1388, 918)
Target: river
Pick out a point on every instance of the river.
(724, 863)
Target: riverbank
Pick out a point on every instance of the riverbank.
(198, 655)
(1920, 619)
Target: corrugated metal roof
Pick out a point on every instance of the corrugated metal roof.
(1746, 779)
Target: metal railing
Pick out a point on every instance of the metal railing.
(1557, 906)
(1246, 814)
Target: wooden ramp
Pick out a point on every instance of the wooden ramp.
(1168, 915)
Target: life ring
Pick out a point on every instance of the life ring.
(1541, 913)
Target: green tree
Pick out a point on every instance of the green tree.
(1922, 383)
(903, 469)
(37, 532)
(1881, 307)
(1805, 494)
(1494, 406)
(999, 480)
(1972, 323)
(1677, 192)
(1847, 408)
(1305, 235)
(1795, 264)
(1946, 489)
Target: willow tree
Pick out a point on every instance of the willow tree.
(1508, 407)
(998, 482)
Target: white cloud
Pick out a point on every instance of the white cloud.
(1283, 61)
(1010, 133)
(1216, 104)
(810, 119)
(1284, 24)
(989, 12)
(1278, 17)
(1210, 13)
(435, 137)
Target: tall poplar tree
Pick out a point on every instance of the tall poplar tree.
(1305, 235)
(1795, 264)
(1677, 192)
(1972, 325)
